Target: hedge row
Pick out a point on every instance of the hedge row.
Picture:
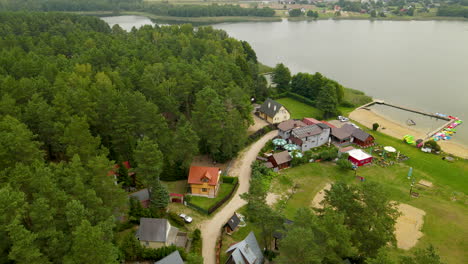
(231, 180)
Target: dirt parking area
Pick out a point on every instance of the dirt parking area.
(206, 161)
(258, 124)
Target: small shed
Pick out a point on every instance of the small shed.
(232, 224)
(359, 157)
(176, 197)
(280, 160)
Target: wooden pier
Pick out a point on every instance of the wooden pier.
(428, 135)
(404, 108)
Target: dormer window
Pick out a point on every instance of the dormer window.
(205, 180)
(269, 104)
(274, 108)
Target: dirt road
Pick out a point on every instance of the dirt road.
(211, 229)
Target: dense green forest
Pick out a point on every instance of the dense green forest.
(78, 97)
(162, 9)
(313, 89)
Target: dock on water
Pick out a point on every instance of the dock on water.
(430, 134)
(381, 102)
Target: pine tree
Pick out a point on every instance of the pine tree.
(327, 101)
(159, 196)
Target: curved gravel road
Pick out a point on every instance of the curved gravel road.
(211, 229)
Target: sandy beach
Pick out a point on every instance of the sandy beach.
(394, 129)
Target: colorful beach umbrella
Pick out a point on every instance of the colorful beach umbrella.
(279, 142)
(290, 147)
(296, 154)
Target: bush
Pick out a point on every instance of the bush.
(196, 241)
(344, 164)
(432, 144)
(231, 180)
(302, 99)
(329, 154)
(295, 13)
(375, 126)
(347, 104)
(269, 254)
(176, 218)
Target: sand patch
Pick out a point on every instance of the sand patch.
(258, 124)
(272, 198)
(368, 117)
(408, 226)
(320, 196)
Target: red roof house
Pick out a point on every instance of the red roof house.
(204, 181)
(310, 121)
(328, 124)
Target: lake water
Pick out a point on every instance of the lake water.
(419, 64)
(128, 22)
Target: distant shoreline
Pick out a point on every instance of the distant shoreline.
(240, 19)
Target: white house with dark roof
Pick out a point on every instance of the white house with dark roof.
(246, 251)
(273, 112)
(158, 232)
(285, 127)
(310, 136)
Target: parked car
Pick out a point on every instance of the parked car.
(186, 218)
(343, 119)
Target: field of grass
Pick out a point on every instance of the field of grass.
(207, 203)
(445, 204)
(299, 110)
(179, 187)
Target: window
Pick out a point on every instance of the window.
(204, 190)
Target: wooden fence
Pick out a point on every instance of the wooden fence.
(217, 205)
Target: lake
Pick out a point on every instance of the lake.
(128, 22)
(419, 64)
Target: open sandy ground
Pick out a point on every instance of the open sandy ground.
(206, 161)
(367, 118)
(272, 198)
(408, 226)
(320, 196)
(258, 124)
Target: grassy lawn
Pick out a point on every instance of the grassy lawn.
(356, 97)
(299, 110)
(207, 203)
(179, 187)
